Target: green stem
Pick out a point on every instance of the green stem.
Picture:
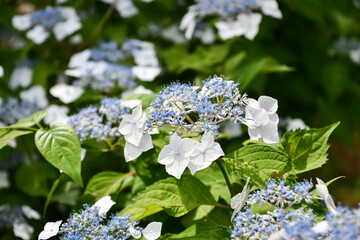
(101, 24)
(223, 171)
(54, 186)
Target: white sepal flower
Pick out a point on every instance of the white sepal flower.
(23, 230)
(22, 22)
(38, 34)
(70, 25)
(1, 71)
(132, 152)
(56, 114)
(126, 8)
(238, 201)
(321, 227)
(245, 24)
(204, 153)
(134, 232)
(262, 120)
(30, 213)
(188, 23)
(20, 76)
(146, 73)
(80, 59)
(36, 94)
(66, 93)
(50, 230)
(270, 8)
(176, 155)
(323, 192)
(152, 231)
(105, 203)
(132, 126)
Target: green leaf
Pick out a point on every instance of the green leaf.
(61, 147)
(29, 121)
(233, 62)
(307, 148)
(246, 73)
(107, 182)
(193, 233)
(7, 134)
(175, 197)
(33, 178)
(259, 162)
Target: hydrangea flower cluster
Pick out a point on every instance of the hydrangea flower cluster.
(92, 223)
(236, 16)
(345, 224)
(101, 68)
(99, 123)
(15, 217)
(348, 47)
(126, 8)
(62, 21)
(89, 223)
(184, 107)
(285, 202)
(31, 101)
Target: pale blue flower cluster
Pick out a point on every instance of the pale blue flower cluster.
(345, 224)
(285, 202)
(14, 109)
(350, 47)
(10, 215)
(90, 223)
(106, 67)
(223, 8)
(184, 107)
(99, 123)
(47, 17)
(107, 51)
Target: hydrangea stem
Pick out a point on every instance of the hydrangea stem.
(223, 171)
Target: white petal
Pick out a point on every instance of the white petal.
(146, 56)
(166, 155)
(175, 142)
(146, 73)
(229, 29)
(126, 8)
(1, 71)
(64, 29)
(50, 229)
(20, 76)
(321, 227)
(259, 116)
(238, 201)
(188, 145)
(146, 143)
(23, 230)
(152, 231)
(329, 202)
(250, 23)
(56, 114)
(137, 113)
(125, 127)
(30, 213)
(66, 93)
(188, 23)
(355, 55)
(4, 180)
(270, 8)
(321, 189)
(130, 103)
(38, 34)
(131, 152)
(135, 136)
(207, 140)
(268, 103)
(22, 22)
(36, 94)
(268, 134)
(295, 123)
(83, 153)
(80, 59)
(105, 203)
(177, 168)
(134, 233)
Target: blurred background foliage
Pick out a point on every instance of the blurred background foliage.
(292, 59)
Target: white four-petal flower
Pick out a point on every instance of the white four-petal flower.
(132, 126)
(262, 120)
(105, 203)
(50, 230)
(204, 153)
(176, 155)
(66, 93)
